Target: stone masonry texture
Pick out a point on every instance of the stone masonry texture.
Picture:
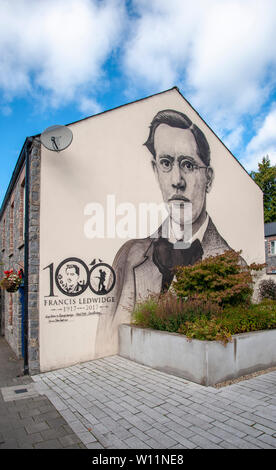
(12, 257)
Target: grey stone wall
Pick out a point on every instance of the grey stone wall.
(269, 258)
(14, 259)
(34, 229)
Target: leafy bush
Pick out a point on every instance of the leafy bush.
(203, 321)
(224, 279)
(210, 300)
(267, 289)
(232, 321)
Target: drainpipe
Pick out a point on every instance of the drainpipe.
(21, 299)
(26, 255)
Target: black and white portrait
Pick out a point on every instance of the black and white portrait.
(72, 277)
(181, 162)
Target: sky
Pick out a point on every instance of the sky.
(63, 60)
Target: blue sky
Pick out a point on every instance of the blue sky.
(63, 60)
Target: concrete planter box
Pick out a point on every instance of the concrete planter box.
(203, 362)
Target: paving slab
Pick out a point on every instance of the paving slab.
(28, 420)
(18, 392)
(114, 403)
(120, 404)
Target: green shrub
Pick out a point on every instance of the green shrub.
(206, 330)
(224, 279)
(168, 312)
(204, 321)
(210, 300)
(231, 321)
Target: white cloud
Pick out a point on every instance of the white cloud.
(263, 143)
(234, 138)
(160, 42)
(89, 106)
(57, 47)
(219, 52)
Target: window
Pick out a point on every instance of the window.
(22, 211)
(4, 234)
(11, 226)
(273, 247)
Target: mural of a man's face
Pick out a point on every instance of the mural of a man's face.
(182, 175)
(72, 277)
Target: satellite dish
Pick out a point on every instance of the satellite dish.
(56, 138)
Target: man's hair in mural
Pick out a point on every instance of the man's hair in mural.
(71, 266)
(177, 119)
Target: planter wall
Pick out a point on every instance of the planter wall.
(203, 362)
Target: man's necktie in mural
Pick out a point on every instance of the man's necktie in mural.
(166, 258)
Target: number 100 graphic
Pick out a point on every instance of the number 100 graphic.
(72, 277)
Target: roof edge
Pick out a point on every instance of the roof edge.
(125, 104)
(185, 99)
(21, 157)
(217, 137)
(270, 229)
(117, 107)
(14, 177)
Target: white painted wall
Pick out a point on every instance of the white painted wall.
(107, 156)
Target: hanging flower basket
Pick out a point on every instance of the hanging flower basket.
(12, 280)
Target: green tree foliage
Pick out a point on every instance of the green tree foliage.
(265, 177)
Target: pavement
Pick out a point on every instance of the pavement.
(28, 420)
(114, 403)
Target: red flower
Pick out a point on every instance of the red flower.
(8, 273)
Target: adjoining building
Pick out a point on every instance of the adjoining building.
(270, 247)
(100, 224)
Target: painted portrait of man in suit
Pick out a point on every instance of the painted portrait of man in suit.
(181, 162)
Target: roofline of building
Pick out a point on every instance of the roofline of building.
(16, 172)
(218, 138)
(21, 157)
(160, 93)
(267, 228)
(118, 107)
